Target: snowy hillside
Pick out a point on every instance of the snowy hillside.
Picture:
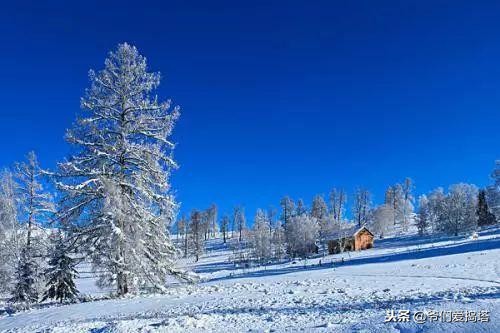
(446, 274)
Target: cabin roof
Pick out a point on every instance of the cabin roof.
(348, 232)
(363, 228)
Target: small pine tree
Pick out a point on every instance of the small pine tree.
(484, 216)
(61, 274)
(25, 291)
(423, 215)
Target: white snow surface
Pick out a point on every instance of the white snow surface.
(405, 273)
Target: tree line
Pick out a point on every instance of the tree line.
(299, 231)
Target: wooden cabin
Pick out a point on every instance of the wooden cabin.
(363, 239)
(351, 240)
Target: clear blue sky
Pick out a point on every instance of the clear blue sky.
(277, 98)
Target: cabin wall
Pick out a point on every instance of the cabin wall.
(363, 241)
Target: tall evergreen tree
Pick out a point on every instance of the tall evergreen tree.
(61, 273)
(484, 216)
(115, 188)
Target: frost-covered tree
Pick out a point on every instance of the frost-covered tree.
(301, 207)
(271, 215)
(484, 216)
(11, 240)
(181, 229)
(319, 210)
(35, 207)
(362, 207)
(36, 204)
(301, 234)
(212, 219)
(239, 221)
(115, 187)
(260, 238)
(423, 215)
(435, 208)
(185, 238)
(224, 227)
(287, 209)
(382, 220)
(493, 194)
(182, 235)
(25, 291)
(338, 200)
(459, 209)
(196, 235)
(279, 241)
(407, 200)
(205, 223)
(393, 199)
(61, 273)
(400, 198)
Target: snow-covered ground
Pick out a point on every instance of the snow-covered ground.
(407, 273)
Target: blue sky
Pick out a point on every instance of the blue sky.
(277, 98)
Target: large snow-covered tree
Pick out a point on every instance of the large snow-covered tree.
(116, 194)
(11, 240)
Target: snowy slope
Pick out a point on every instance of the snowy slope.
(451, 274)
